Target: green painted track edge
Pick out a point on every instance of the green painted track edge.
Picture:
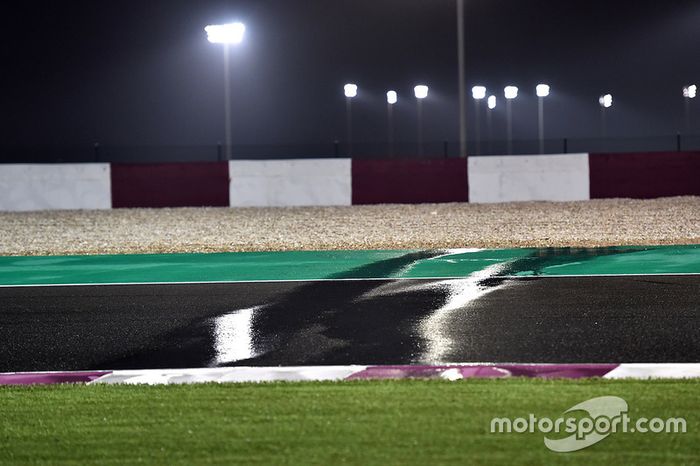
(355, 264)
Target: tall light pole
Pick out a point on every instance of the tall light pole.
(542, 91)
(689, 92)
(478, 93)
(461, 77)
(350, 91)
(421, 92)
(605, 102)
(510, 93)
(391, 99)
(227, 34)
(490, 104)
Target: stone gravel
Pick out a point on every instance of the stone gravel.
(605, 222)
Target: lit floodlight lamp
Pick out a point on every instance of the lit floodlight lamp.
(605, 101)
(350, 90)
(510, 92)
(690, 92)
(491, 102)
(421, 91)
(231, 33)
(542, 90)
(478, 92)
(391, 97)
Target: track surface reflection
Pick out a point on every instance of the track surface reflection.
(485, 317)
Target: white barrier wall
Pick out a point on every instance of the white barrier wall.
(55, 186)
(296, 182)
(562, 177)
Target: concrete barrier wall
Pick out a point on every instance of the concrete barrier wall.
(529, 178)
(409, 181)
(54, 186)
(170, 185)
(309, 182)
(646, 175)
(298, 182)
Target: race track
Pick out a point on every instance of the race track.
(386, 307)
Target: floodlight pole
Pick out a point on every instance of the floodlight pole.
(687, 114)
(477, 128)
(605, 102)
(390, 127)
(542, 91)
(603, 125)
(227, 102)
(226, 34)
(419, 107)
(348, 115)
(540, 121)
(461, 73)
(489, 132)
(509, 125)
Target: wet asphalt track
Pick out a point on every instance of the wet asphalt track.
(652, 318)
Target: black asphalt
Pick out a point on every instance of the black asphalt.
(556, 319)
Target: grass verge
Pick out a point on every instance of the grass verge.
(375, 422)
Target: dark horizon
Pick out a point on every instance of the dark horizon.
(140, 73)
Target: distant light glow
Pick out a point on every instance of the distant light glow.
(542, 90)
(510, 92)
(605, 101)
(478, 92)
(391, 97)
(491, 102)
(350, 90)
(421, 91)
(690, 91)
(231, 33)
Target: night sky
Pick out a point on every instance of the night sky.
(142, 72)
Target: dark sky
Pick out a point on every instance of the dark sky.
(142, 71)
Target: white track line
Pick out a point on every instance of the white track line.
(220, 282)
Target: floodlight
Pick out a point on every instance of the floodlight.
(350, 90)
(605, 101)
(391, 97)
(491, 102)
(510, 92)
(231, 33)
(542, 90)
(478, 92)
(421, 91)
(690, 91)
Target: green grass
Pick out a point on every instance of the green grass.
(377, 422)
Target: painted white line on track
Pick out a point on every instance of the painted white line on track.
(220, 282)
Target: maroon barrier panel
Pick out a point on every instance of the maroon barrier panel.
(409, 181)
(170, 184)
(644, 175)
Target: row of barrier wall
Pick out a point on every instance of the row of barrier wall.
(308, 182)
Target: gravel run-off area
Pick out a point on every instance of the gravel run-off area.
(605, 222)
